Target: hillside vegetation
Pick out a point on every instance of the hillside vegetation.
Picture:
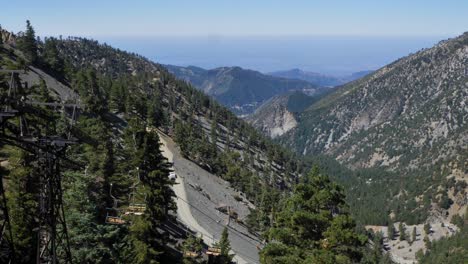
(124, 99)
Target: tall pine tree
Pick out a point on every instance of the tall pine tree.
(51, 56)
(225, 246)
(28, 44)
(154, 170)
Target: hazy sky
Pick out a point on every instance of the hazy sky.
(187, 31)
(239, 17)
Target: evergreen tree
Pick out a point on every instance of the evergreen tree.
(156, 115)
(313, 226)
(44, 95)
(457, 220)
(214, 131)
(225, 246)
(375, 253)
(95, 100)
(154, 170)
(391, 230)
(51, 56)
(427, 228)
(28, 44)
(401, 230)
(413, 236)
(192, 245)
(21, 193)
(427, 242)
(91, 242)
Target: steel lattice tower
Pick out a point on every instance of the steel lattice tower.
(53, 242)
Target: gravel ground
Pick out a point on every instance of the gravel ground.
(34, 75)
(203, 193)
(404, 253)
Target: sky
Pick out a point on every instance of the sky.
(185, 31)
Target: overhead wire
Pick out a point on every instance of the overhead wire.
(236, 232)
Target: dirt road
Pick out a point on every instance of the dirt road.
(185, 213)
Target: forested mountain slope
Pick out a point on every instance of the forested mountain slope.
(407, 122)
(183, 110)
(239, 89)
(124, 98)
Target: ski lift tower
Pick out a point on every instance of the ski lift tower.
(52, 243)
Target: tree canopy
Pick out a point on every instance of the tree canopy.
(313, 226)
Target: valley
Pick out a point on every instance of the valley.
(107, 156)
(242, 90)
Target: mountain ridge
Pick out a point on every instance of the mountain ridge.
(319, 78)
(408, 118)
(239, 89)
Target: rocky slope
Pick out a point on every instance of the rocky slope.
(241, 90)
(273, 118)
(409, 118)
(278, 115)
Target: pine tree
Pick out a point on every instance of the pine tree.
(413, 236)
(51, 56)
(427, 228)
(117, 97)
(95, 99)
(318, 203)
(401, 230)
(44, 95)
(214, 131)
(28, 44)
(156, 115)
(192, 245)
(391, 230)
(21, 195)
(225, 247)
(154, 170)
(427, 242)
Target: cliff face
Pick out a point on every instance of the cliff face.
(273, 118)
(7, 37)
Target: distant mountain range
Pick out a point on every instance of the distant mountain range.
(318, 78)
(239, 89)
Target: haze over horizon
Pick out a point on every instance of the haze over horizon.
(331, 38)
(326, 55)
